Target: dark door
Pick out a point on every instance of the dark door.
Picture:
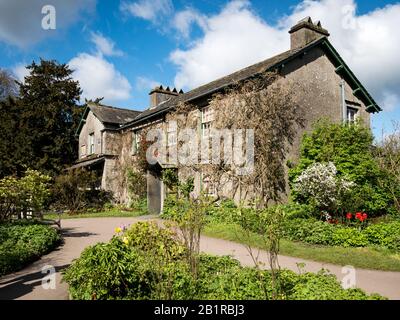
(154, 192)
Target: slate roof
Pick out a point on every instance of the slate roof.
(217, 85)
(113, 115)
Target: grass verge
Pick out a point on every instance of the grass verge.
(366, 258)
(101, 214)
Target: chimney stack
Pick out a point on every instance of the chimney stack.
(304, 32)
(159, 94)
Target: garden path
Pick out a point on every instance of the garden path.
(80, 233)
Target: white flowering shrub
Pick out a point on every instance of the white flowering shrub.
(320, 185)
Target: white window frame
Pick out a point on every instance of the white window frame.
(91, 143)
(136, 135)
(207, 117)
(352, 113)
(172, 136)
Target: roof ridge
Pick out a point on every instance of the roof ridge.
(116, 108)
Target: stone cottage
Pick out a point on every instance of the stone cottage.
(109, 137)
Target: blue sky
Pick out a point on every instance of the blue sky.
(120, 49)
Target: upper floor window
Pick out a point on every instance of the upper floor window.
(136, 137)
(171, 134)
(91, 143)
(352, 114)
(207, 116)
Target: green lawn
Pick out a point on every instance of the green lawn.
(108, 213)
(366, 258)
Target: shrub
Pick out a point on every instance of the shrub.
(349, 147)
(384, 235)
(147, 262)
(319, 186)
(24, 194)
(349, 237)
(78, 190)
(136, 183)
(24, 242)
(143, 263)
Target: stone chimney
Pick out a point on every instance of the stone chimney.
(159, 94)
(305, 31)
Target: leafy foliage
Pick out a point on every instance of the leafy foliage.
(318, 185)
(40, 123)
(147, 262)
(19, 195)
(76, 190)
(24, 242)
(349, 148)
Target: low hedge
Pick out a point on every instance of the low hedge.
(386, 235)
(24, 242)
(147, 262)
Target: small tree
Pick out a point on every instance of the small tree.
(388, 157)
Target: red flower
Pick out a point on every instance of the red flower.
(349, 216)
(365, 216)
(359, 216)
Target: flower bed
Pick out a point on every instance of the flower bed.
(24, 242)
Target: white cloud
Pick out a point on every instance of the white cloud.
(237, 37)
(99, 78)
(152, 10)
(144, 83)
(21, 21)
(233, 39)
(20, 71)
(183, 21)
(104, 45)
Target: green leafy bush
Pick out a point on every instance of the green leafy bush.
(313, 231)
(384, 235)
(349, 147)
(147, 262)
(18, 195)
(22, 243)
(77, 190)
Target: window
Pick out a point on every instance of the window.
(135, 141)
(91, 143)
(207, 116)
(352, 114)
(171, 134)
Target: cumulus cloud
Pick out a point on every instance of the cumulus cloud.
(99, 78)
(233, 39)
(237, 37)
(183, 21)
(104, 46)
(152, 10)
(21, 20)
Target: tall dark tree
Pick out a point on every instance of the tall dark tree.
(46, 115)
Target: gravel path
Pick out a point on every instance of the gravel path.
(80, 233)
